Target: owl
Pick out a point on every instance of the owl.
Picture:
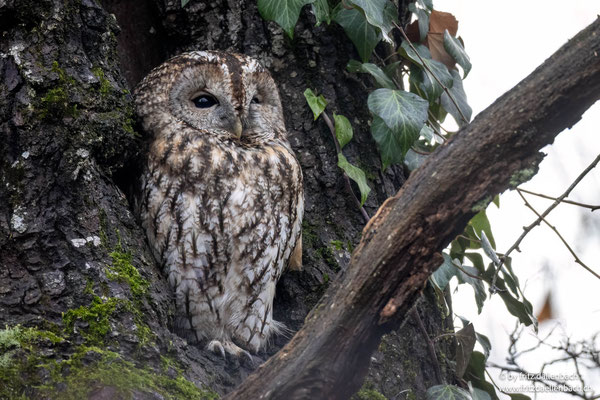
(222, 197)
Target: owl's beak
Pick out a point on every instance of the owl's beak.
(237, 128)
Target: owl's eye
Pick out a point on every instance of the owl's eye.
(255, 100)
(204, 101)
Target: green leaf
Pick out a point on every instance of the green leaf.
(519, 309)
(184, 3)
(284, 12)
(477, 261)
(447, 392)
(364, 36)
(454, 47)
(510, 278)
(320, 9)
(402, 112)
(480, 223)
(496, 200)
(407, 52)
(465, 340)
(444, 273)
(428, 133)
(380, 77)
(316, 104)
(476, 374)
(485, 343)
(343, 130)
(427, 84)
(426, 4)
(477, 284)
(379, 13)
(518, 396)
(479, 394)
(390, 69)
(413, 160)
(357, 175)
(458, 94)
(423, 20)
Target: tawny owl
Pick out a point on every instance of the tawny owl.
(222, 194)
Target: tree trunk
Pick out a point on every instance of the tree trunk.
(81, 321)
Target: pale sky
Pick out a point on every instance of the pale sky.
(506, 41)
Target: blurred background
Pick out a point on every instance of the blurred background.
(506, 41)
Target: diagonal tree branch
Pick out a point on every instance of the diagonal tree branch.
(328, 357)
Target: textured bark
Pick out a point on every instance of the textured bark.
(399, 248)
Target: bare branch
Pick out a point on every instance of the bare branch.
(535, 223)
(577, 259)
(575, 203)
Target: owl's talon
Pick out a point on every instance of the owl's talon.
(216, 347)
(228, 347)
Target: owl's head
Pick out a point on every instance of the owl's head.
(227, 95)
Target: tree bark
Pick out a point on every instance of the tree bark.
(400, 246)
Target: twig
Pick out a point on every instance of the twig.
(528, 229)
(423, 153)
(575, 203)
(432, 74)
(430, 347)
(577, 259)
(465, 272)
(346, 178)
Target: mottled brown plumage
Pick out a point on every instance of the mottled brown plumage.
(222, 194)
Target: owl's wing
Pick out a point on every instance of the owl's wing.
(295, 263)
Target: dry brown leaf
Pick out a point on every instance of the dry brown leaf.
(546, 313)
(439, 21)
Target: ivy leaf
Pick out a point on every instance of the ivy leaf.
(447, 392)
(426, 4)
(379, 13)
(478, 394)
(485, 343)
(424, 81)
(477, 261)
(316, 104)
(510, 278)
(465, 340)
(357, 175)
(364, 36)
(522, 310)
(488, 249)
(320, 9)
(518, 396)
(343, 130)
(476, 373)
(398, 119)
(284, 12)
(444, 273)
(480, 223)
(413, 160)
(458, 94)
(455, 48)
(477, 284)
(423, 20)
(184, 3)
(403, 112)
(380, 77)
